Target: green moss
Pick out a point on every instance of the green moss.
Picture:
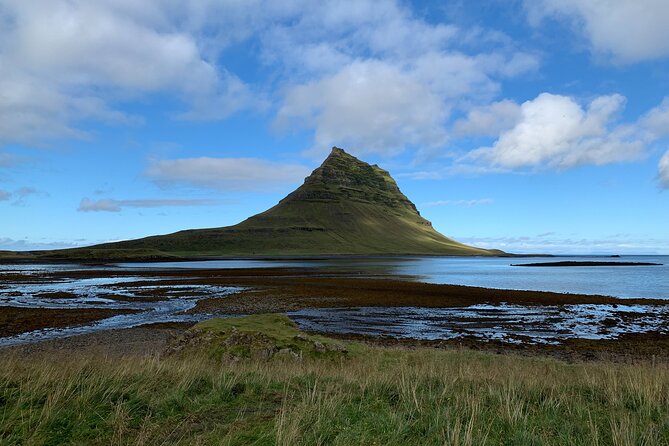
(278, 326)
(267, 336)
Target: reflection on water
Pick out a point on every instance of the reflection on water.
(487, 272)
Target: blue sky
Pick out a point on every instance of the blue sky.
(529, 126)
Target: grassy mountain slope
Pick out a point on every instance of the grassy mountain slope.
(345, 206)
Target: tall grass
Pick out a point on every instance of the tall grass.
(379, 397)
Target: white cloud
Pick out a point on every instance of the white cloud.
(558, 132)
(374, 106)
(224, 173)
(11, 244)
(19, 195)
(489, 120)
(110, 205)
(377, 79)
(325, 36)
(67, 60)
(656, 120)
(461, 203)
(628, 30)
(463, 167)
(370, 106)
(552, 243)
(24, 192)
(664, 170)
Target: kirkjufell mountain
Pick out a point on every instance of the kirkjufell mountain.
(345, 206)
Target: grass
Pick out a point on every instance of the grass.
(370, 396)
(276, 330)
(88, 255)
(259, 336)
(278, 326)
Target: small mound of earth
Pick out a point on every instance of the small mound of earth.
(259, 337)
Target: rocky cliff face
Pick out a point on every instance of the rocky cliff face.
(344, 177)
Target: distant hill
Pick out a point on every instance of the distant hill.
(345, 206)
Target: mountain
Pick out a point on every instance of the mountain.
(345, 206)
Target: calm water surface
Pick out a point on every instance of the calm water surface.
(495, 272)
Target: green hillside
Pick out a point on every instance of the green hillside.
(345, 206)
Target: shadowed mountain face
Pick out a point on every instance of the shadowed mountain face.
(345, 206)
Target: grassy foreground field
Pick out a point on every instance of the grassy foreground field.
(367, 395)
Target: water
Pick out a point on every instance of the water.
(617, 281)
(488, 272)
(548, 324)
(511, 323)
(154, 303)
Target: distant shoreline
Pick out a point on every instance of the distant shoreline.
(25, 260)
(40, 257)
(575, 263)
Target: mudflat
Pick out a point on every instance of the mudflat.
(16, 320)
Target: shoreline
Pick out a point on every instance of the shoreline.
(153, 340)
(581, 264)
(28, 260)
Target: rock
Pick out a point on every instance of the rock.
(288, 353)
(338, 348)
(229, 358)
(238, 338)
(319, 347)
(265, 354)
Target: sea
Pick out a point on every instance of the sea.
(487, 272)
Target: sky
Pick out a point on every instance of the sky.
(528, 126)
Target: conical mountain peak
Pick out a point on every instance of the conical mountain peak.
(345, 169)
(344, 177)
(337, 151)
(345, 206)
(339, 159)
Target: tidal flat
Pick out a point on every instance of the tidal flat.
(73, 303)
